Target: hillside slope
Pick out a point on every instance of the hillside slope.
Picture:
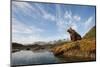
(91, 33)
(81, 50)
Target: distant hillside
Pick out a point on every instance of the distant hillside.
(91, 33)
(14, 45)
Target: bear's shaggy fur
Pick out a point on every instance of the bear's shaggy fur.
(74, 35)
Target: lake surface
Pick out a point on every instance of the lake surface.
(25, 57)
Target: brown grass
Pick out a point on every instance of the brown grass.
(84, 48)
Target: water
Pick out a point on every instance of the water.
(29, 57)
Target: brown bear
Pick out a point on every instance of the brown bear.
(74, 35)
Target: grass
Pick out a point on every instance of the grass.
(91, 33)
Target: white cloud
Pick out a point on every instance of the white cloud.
(32, 11)
(19, 27)
(67, 20)
(49, 17)
(59, 19)
(89, 21)
(58, 12)
(26, 8)
(88, 24)
(77, 18)
(40, 7)
(46, 15)
(68, 15)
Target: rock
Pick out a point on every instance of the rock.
(27, 48)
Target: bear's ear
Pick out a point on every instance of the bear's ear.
(70, 28)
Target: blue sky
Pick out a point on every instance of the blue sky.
(33, 22)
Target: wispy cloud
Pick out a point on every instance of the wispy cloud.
(20, 27)
(68, 15)
(66, 20)
(88, 24)
(77, 18)
(26, 9)
(46, 15)
(89, 21)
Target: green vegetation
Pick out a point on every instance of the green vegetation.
(91, 33)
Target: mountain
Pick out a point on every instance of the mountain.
(40, 43)
(16, 45)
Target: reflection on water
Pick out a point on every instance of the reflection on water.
(28, 57)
